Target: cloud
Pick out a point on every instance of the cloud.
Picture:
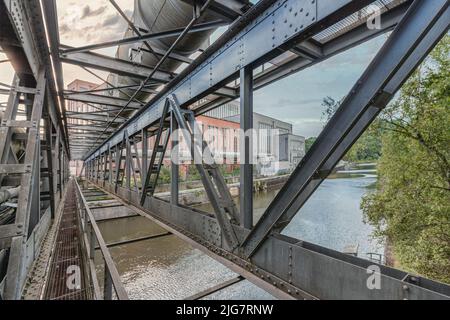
(82, 24)
(111, 20)
(88, 12)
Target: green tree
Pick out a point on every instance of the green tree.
(411, 204)
(368, 146)
(309, 142)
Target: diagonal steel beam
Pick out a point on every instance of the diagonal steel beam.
(223, 59)
(422, 27)
(213, 182)
(115, 65)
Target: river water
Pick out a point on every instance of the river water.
(168, 268)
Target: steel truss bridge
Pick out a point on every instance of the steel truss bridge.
(263, 44)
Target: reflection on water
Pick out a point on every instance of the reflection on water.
(168, 268)
(332, 217)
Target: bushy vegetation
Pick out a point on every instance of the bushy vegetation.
(411, 204)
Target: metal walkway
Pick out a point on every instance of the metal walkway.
(68, 251)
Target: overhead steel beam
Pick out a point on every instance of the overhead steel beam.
(101, 100)
(115, 65)
(228, 9)
(310, 50)
(146, 90)
(173, 56)
(227, 92)
(350, 39)
(97, 118)
(86, 128)
(422, 27)
(78, 135)
(151, 36)
(241, 46)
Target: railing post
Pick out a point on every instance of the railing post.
(246, 148)
(91, 242)
(144, 165)
(175, 158)
(108, 284)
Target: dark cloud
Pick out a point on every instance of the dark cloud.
(64, 29)
(88, 12)
(111, 20)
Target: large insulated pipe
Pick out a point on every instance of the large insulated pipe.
(10, 193)
(161, 15)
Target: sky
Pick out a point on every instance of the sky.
(296, 99)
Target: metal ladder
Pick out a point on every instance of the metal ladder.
(132, 155)
(120, 173)
(156, 161)
(215, 186)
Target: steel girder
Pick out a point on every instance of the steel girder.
(423, 26)
(283, 265)
(286, 267)
(42, 171)
(101, 100)
(65, 50)
(296, 62)
(246, 43)
(115, 65)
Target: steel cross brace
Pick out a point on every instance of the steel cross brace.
(215, 186)
(422, 27)
(155, 165)
(16, 267)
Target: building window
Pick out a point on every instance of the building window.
(264, 138)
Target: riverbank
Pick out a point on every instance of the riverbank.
(198, 196)
(192, 193)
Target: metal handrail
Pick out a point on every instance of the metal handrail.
(91, 236)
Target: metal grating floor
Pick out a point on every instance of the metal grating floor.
(67, 253)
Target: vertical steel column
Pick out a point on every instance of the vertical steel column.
(108, 285)
(422, 27)
(107, 166)
(111, 161)
(55, 154)
(5, 130)
(119, 155)
(60, 170)
(246, 148)
(144, 165)
(174, 156)
(17, 265)
(128, 163)
(50, 165)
